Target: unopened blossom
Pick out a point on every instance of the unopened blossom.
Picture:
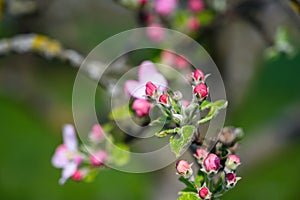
(196, 5)
(165, 7)
(147, 73)
(98, 158)
(204, 193)
(97, 133)
(231, 180)
(184, 168)
(201, 154)
(141, 107)
(151, 88)
(163, 99)
(211, 163)
(66, 155)
(232, 162)
(201, 90)
(198, 75)
(78, 175)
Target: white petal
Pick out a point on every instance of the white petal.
(159, 80)
(59, 159)
(135, 89)
(69, 137)
(67, 172)
(146, 70)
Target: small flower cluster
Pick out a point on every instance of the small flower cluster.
(217, 173)
(171, 103)
(77, 164)
(187, 17)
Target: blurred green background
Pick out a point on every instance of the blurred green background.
(36, 97)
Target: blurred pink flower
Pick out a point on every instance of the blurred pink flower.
(66, 155)
(193, 24)
(165, 7)
(141, 107)
(155, 32)
(98, 158)
(168, 57)
(147, 72)
(97, 133)
(196, 5)
(181, 62)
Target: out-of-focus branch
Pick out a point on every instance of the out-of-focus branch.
(51, 49)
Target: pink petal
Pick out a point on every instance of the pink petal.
(69, 137)
(146, 70)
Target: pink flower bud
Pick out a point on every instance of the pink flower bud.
(184, 168)
(77, 176)
(204, 193)
(98, 158)
(211, 163)
(198, 75)
(196, 5)
(163, 98)
(230, 177)
(201, 154)
(232, 162)
(165, 7)
(141, 107)
(201, 90)
(151, 89)
(193, 24)
(181, 62)
(231, 180)
(97, 133)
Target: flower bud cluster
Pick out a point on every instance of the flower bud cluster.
(217, 171)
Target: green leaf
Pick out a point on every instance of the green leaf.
(179, 142)
(199, 180)
(215, 108)
(120, 113)
(190, 186)
(188, 196)
(120, 154)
